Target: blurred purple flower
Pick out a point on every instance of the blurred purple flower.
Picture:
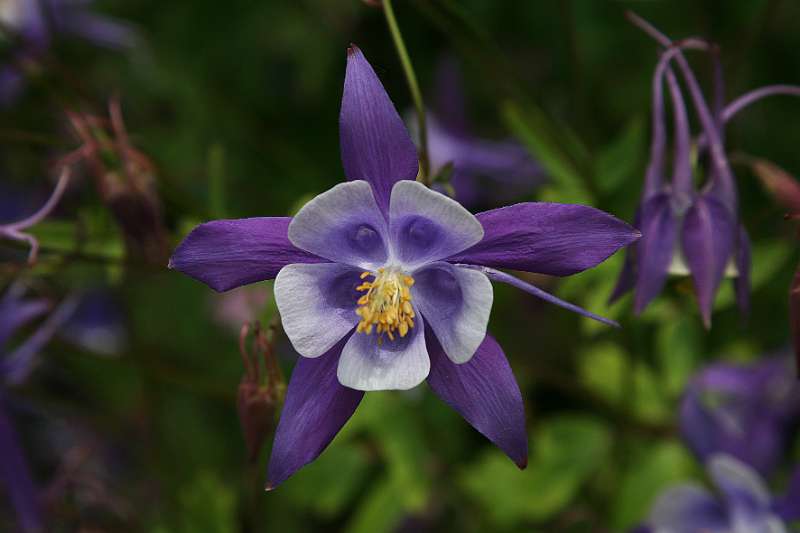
(743, 411)
(506, 167)
(97, 324)
(360, 266)
(685, 230)
(15, 366)
(239, 306)
(32, 25)
(742, 504)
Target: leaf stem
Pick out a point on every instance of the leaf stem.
(413, 86)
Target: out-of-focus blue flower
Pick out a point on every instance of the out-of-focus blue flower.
(16, 364)
(483, 171)
(688, 230)
(742, 504)
(742, 410)
(30, 26)
(382, 283)
(98, 323)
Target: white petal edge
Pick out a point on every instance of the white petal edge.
(675, 506)
(460, 335)
(366, 366)
(728, 471)
(312, 327)
(312, 226)
(413, 198)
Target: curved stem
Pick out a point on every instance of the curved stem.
(45, 210)
(413, 86)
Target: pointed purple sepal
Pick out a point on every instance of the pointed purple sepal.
(654, 250)
(375, 144)
(485, 392)
(316, 408)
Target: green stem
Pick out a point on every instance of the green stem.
(413, 86)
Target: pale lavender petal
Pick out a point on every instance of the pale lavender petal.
(745, 493)
(316, 408)
(371, 362)
(343, 224)
(687, 509)
(375, 144)
(742, 281)
(484, 391)
(548, 238)
(502, 277)
(15, 476)
(225, 254)
(428, 226)
(317, 304)
(709, 234)
(654, 250)
(456, 303)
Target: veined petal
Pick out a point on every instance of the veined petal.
(225, 254)
(654, 250)
(427, 225)
(376, 146)
(317, 304)
(316, 408)
(687, 508)
(548, 238)
(709, 234)
(343, 224)
(484, 391)
(456, 303)
(502, 277)
(370, 362)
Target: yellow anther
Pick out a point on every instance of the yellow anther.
(386, 306)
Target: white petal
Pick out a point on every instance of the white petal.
(456, 303)
(427, 225)
(733, 477)
(317, 304)
(343, 224)
(684, 507)
(400, 364)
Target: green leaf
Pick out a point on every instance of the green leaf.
(381, 510)
(568, 449)
(651, 470)
(679, 344)
(207, 505)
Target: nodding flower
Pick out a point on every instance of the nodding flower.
(382, 283)
(686, 229)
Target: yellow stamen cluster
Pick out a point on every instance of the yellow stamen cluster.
(386, 306)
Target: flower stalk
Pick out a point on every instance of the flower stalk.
(416, 95)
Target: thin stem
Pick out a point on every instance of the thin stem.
(413, 86)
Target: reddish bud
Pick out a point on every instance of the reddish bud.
(781, 185)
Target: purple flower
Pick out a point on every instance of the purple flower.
(97, 324)
(15, 366)
(743, 411)
(506, 166)
(32, 24)
(686, 230)
(382, 282)
(742, 504)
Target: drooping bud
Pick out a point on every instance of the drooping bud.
(125, 179)
(782, 186)
(261, 390)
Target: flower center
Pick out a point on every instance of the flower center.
(386, 306)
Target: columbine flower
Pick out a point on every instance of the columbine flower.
(744, 411)
(382, 282)
(743, 504)
(685, 230)
(506, 166)
(15, 366)
(31, 24)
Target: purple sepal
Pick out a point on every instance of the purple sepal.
(316, 408)
(225, 254)
(709, 234)
(742, 281)
(654, 250)
(16, 477)
(375, 144)
(485, 392)
(547, 238)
